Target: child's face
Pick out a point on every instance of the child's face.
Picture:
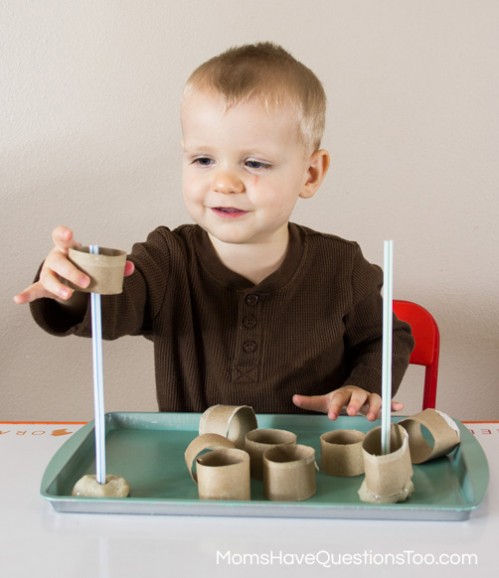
(244, 168)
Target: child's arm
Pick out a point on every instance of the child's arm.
(57, 268)
(355, 399)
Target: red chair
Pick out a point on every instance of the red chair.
(427, 344)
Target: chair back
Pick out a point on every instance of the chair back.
(426, 344)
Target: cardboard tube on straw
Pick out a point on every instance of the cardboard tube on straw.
(105, 268)
(388, 477)
(386, 382)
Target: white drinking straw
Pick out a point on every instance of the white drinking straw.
(386, 380)
(99, 419)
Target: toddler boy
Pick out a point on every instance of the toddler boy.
(244, 307)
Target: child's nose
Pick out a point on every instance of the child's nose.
(227, 183)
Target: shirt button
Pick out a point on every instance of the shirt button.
(250, 346)
(251, 299)
(249, 321)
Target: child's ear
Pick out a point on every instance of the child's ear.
(318, 165)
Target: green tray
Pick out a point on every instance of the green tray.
(148, 450)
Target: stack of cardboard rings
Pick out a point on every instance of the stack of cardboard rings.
(288, 470)
(236, 451)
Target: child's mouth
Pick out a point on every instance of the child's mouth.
(229, 212)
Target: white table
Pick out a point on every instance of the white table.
(36, 541)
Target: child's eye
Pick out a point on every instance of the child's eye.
(257, 165)
(202, 161)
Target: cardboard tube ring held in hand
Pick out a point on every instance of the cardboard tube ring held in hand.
(289, 473)
(230, 421)
(258, 441)
(106, 269)
(442, 429)
(341, 453)
(388, 477)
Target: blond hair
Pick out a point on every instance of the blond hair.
(268, 72)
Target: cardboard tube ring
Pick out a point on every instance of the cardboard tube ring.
(443, 432)
(224, 475)
(200, 444)
(388, 478)
(223, 472)
(106, 270)
(341, 453)
(289, 473)
(258, 441)
(230, 421)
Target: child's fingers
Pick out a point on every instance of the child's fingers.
(373, 406)
(53, 284)
(56, 271)
(62, 237)
(397, 405)
(338, 399)
(357, 400)
(52, 288)
(34, 291)
(57, 267)
(129, 268)
(319, 403)
(330, 403)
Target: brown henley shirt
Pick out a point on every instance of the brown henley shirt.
(310, 327)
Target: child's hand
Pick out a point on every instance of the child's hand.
(56, 268)
(355, 399)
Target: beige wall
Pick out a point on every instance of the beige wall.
(89, 137)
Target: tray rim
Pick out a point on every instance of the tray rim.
(258, 508)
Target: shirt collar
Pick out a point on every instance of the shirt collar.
(211, 263)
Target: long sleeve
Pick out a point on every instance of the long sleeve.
(312, 326)
(128, 313)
